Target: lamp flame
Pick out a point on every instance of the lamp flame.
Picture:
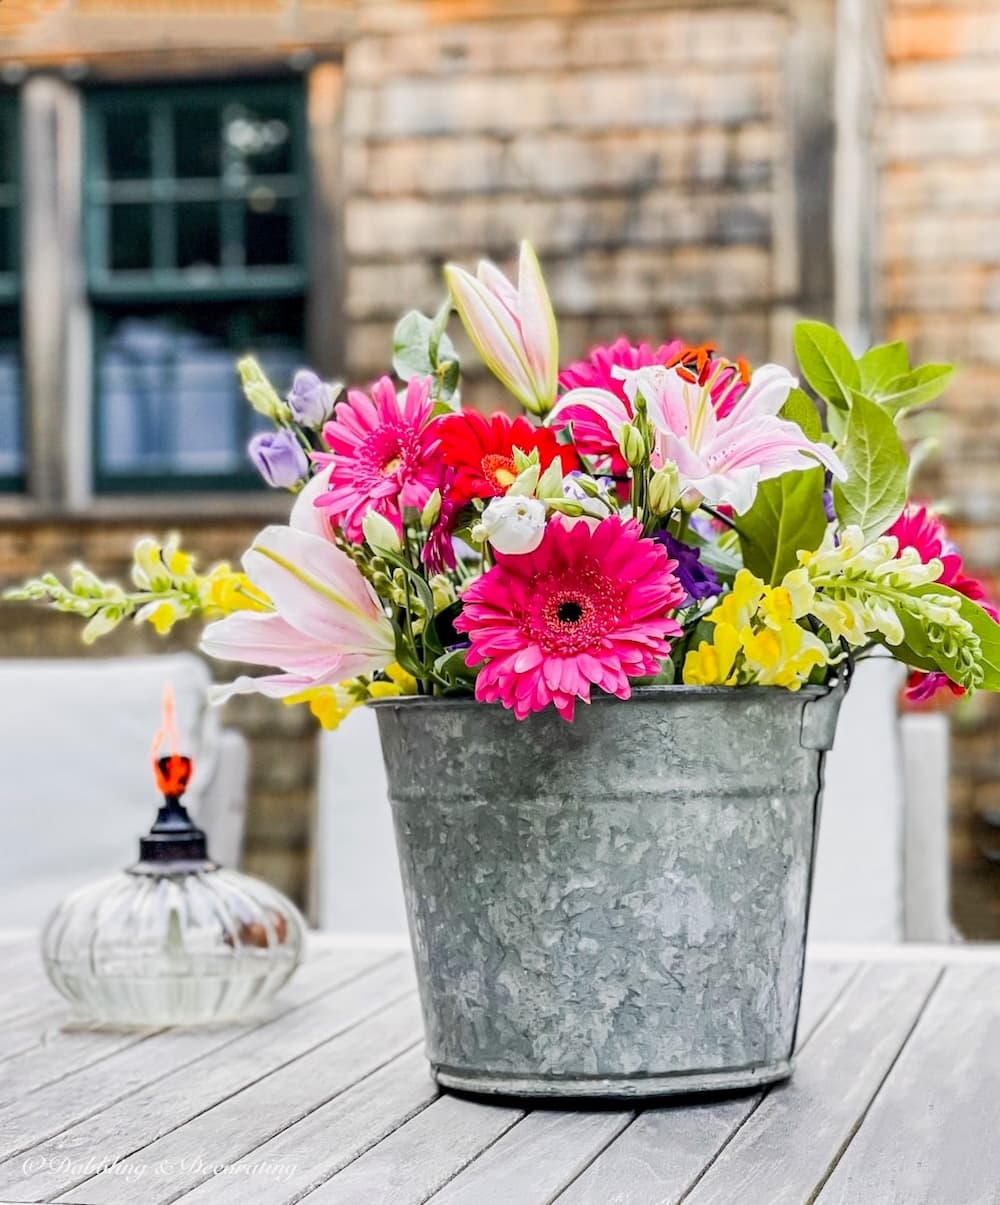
(171, 770)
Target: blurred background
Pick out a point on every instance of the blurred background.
(182, 181)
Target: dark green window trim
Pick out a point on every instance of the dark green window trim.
(157, 180)
(12, 476)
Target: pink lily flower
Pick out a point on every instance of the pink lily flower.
(720, 460)
(513, 329)
(327, 624)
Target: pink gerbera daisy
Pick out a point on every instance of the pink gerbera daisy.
(589, 607)
(383, 454)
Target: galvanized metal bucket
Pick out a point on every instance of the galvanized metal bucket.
(613, 907)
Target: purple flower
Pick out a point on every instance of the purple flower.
(311, 400)
(279, 458)
(697, 579)
(828, 510)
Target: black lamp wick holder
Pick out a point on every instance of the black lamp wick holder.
(174, 840)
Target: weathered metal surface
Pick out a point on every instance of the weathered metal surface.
(613, 907)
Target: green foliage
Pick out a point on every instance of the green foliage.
(881, 365)
(800, 408)
(787, 517)
(915, 388)
(827, 363)
(421, 348)
(874, 493)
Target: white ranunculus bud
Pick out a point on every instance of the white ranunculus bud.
(514, 524)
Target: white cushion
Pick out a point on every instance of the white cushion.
(76, 748)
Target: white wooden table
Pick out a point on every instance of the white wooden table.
(896, 1098)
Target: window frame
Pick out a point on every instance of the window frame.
(171, 286)
(12, 282)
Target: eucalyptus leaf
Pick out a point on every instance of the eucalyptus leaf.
(826, 362)
(787, 517)
(874, 493)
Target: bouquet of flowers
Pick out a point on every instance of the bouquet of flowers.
(652, 515)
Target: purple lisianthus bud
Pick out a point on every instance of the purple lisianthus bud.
(310, 399)
(279, 458)
(698, 580)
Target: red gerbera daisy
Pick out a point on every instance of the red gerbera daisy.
(589, 607)
(481, 451)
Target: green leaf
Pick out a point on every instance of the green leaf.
(800, 408)
(916, 388)
(882, 364)
(826, 362)
(874, 493)
(417, 346)
(787, 517)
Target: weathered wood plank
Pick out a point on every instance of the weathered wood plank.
(657, 1159)
(930, 1137)
(246, 1121)
(420, 1157)
(782, 1152)
(535, 1159)
(19, 1034)
(139, 1094)
(328, 1138)
(69, 1055)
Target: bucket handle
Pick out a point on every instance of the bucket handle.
(819, 716)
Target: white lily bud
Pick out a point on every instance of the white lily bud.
(514, 524)
(380, 534)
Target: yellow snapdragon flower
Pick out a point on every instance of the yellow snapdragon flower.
(712, 664)
(758, 637)
(331, 705)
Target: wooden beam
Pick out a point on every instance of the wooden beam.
(55, 319)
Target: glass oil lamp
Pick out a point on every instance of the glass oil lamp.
(174, 939)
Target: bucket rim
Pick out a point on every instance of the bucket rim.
(677, 690)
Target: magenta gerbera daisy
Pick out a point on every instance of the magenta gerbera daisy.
(383, 454)
(589, 607)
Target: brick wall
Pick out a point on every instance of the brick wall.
(636, 149)
(939, 278)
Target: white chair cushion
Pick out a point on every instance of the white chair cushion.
(76, 746)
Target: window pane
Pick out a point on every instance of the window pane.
(197, 141)
(268, 229)
(258, 140)
(10, 396)
(198, 235)
(168, 391)
(8, 140)
(8, 217)
(128, 148)
(130, 237)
